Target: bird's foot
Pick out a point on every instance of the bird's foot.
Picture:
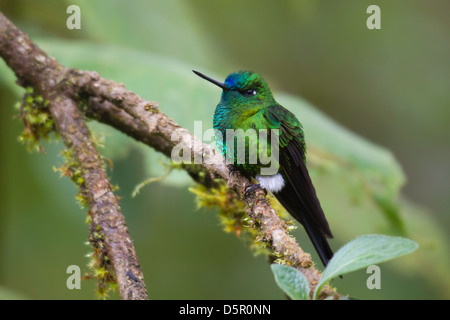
(252, 187)
(232, 170)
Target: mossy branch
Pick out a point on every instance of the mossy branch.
(34, 68)
(112, 104)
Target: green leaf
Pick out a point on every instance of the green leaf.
(351, 174)
(291, 281)
(365, 172)
(363, 252)
(147, 28)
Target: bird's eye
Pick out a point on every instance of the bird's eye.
(248, 93)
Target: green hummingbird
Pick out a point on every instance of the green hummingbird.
(247, 103)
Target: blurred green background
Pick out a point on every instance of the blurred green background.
(388, 86)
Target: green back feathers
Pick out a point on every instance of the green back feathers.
(248, 103)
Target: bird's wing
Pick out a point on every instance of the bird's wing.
(302, 199)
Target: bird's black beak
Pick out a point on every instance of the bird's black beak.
(217, 83)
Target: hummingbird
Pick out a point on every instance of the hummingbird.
(248, 103)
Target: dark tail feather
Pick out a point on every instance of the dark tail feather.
(290, 201)
(319, 241)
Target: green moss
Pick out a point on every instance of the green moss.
(37, 119)
(232, 214)
(234, 219)
(99, 265)
(39, 124)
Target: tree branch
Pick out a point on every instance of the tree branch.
(112, 104)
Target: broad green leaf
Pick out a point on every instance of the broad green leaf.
(145, 25)
(291, 281)
(348, 171)
(365, 171)
(351, 174)
(363, 252)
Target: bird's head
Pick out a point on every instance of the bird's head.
(243, 89)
